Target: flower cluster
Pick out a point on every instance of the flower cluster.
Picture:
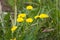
(21, 18)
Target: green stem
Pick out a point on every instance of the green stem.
(15, 14)
(37, 28)
(57, 14)
(12, 35)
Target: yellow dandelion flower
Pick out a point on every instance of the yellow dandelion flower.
(29, 20)
(13, 39)
(20, 19)
(36, 17)
(22, 15)
(29, 7)
(43, 16)
(13, 28)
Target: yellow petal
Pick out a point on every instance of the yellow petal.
(22, 15)
(36, 17)
(20, 19)
(13, 28)
(29, 7)
(29, 20)
(43, 16)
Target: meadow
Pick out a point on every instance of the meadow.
(30, 20)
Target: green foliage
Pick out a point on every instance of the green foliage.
(33, 31)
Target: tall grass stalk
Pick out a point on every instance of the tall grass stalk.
(15, 13)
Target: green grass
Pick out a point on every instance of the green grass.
(34, 30)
